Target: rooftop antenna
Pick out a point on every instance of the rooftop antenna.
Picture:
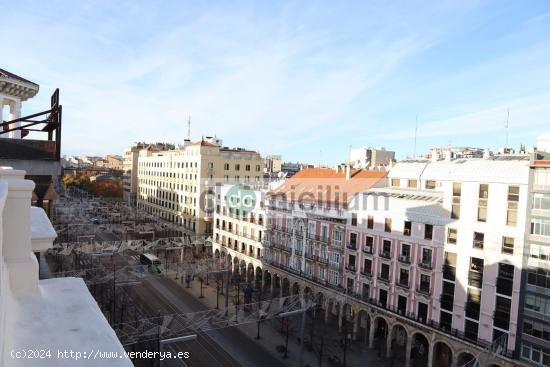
(415, 132)
(507, 126)
(189, 127)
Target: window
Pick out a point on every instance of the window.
(449, 267)
(407, 228)
(370, 222)
(385, 272)
(478, 240)
(505, 279)
(353, 241)
(537, 330)
(512, 213)
(412, 184)
(540, 227)
(405, 251)
(473, 303)
(430, 184)
(471, 329)
(451, 236)
(394, 182)
(337, 237)
(386, 248)
(507, 245)
(535, 354)
(537, 304)
(333, 277)
(387, 225)
(541, 252)
(482, 202)
(368, 244)
(428, 231)
(455, 210)
(247, 167)
(354, 219)
(448, 296)
(210, 165)
(257, 168)
(226, 166)
(541, 201)
(424, 283)
(538, 277)
(367, 266)
(404, 277)
(237, 167)
(426, 260)
(475, 274)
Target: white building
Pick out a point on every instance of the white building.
(54, 315)
(369, 157)
(239, 229)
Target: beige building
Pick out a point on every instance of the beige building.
(179, 185)
(114, 162)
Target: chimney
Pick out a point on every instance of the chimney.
(348, 171)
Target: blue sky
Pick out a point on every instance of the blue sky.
(303, 79)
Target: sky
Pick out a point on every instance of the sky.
(305, 79)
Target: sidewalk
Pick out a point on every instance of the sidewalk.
(273, 335)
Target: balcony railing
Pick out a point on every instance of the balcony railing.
(321, 260)
(309, 255)
(425, 264)
(367, 250)
(352, 246)
(404, 259)
(367, 273)
(424, 289)
(384, 278)
(298, 252)
(385, 254)
(403, 284)
(351, 268)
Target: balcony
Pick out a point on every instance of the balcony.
(425, 264)
(321, 260)
(385, 278)
(41, 313)
(298, 252)
(309, 255)
(404, 259)
(385, 254)
(367, 273)
(351, 268)
(335, 266)
(367, 250)
(424, 289)
(352, 246)
(403, 284)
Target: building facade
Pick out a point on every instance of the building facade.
(535, 321)
(179, 185)
(239, 230)
(428, 258)
(370, 157)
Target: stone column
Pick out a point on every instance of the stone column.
(356, 321)
(454, 360)
(327, 313)
(430, 354)
(340, 317)
(2, 115)
(388, 343)
(16, 233)
(371, 334)
(15, 113)
(408, 348)
(272, 286)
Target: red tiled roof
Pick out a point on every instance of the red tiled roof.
(540, 164)
(327, 185)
